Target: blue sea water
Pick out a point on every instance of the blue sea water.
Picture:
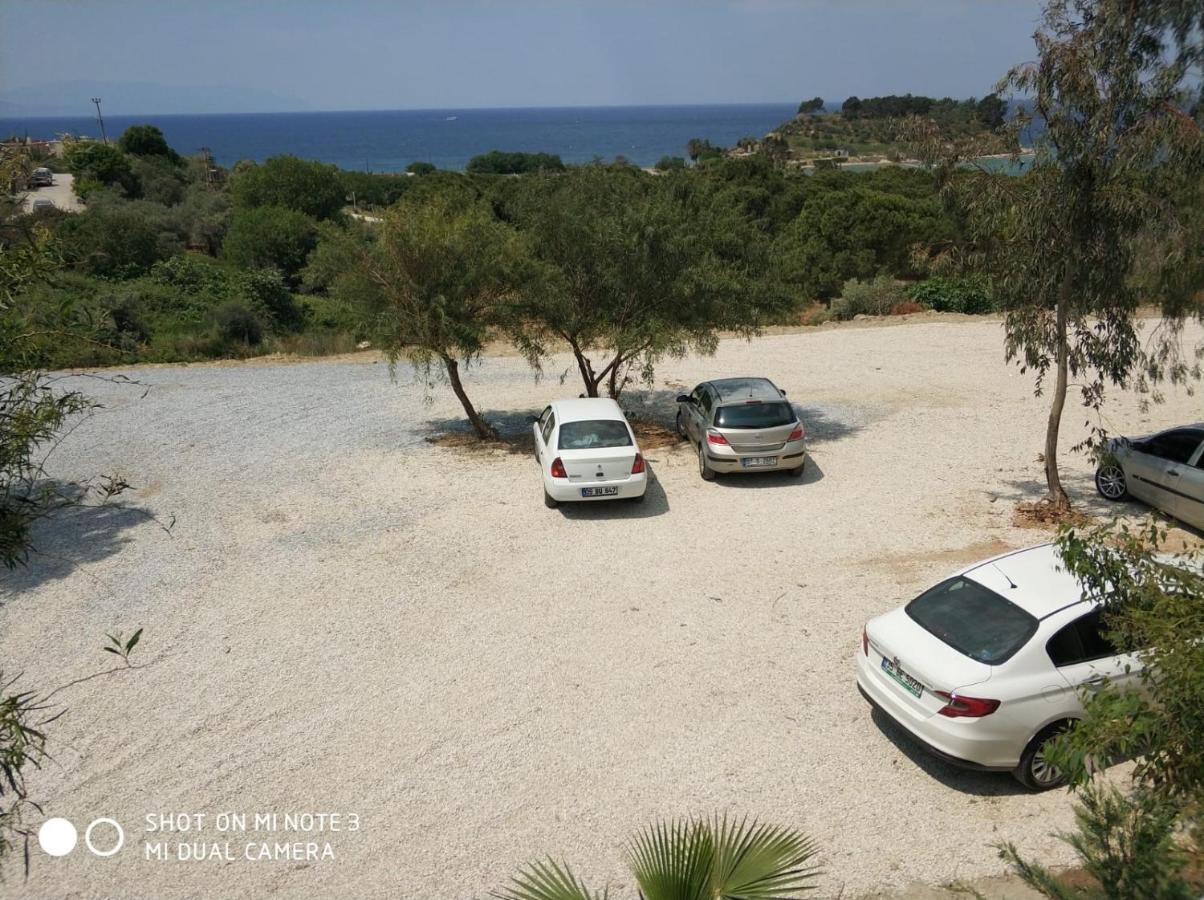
(389, 140)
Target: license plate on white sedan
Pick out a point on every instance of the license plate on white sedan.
(892, 668)
(757, 462)
(599, 492)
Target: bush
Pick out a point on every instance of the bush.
(495, 162)
(907, 307)
(236, 323)
(868, 298)
(146, 140)
(312, 188)
(270, 237)
(93, 163)
(669, 163)
(116, 238)
(421, 168)
(960, 295)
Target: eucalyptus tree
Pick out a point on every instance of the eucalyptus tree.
(1102, 222)
(433, 282)
(695, 859)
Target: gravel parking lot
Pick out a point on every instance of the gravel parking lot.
(348, 619)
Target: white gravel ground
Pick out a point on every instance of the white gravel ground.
(348, 619)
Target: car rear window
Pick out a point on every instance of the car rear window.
(973, 620)
(754, 415)
(594, 435)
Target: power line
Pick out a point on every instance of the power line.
(101, 119)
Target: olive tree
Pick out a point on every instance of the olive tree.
(1102, 222)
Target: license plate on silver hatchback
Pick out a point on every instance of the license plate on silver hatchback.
(599, 492)
(758, 462)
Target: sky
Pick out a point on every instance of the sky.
(167, 56)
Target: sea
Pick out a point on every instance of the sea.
(389, 140)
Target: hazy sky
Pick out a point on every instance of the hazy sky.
(369, 54)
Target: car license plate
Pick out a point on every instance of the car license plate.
(892, 668)
(599, 492)
(756, 462)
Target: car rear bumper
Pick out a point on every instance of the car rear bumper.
(791, 456)
(953, 740)
(563, 491)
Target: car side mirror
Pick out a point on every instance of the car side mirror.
(782, 392)
(683, 398)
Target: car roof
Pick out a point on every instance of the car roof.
(585, 409)
(1035, 579)
(729, 389)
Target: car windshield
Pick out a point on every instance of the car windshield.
(973, 620)
(594, 435)
(754, 415)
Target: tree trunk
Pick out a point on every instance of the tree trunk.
(1057, 495)
(480, 426)
(587, 372)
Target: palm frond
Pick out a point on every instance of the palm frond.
(547, 881)
(761, 862)
(673, 860)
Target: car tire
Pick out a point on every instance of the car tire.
(681, 432)
(704, 467)
(1110, 482)
(549, 501)
(1033, 771)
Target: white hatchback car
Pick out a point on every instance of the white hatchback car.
(987, 666)
(587, 451)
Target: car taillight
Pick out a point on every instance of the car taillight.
(865, 642)
(558, 469)
(797, 434)
(959, 707)
(638, 466)
(714, 437)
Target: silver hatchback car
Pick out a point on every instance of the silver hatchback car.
(742, 425)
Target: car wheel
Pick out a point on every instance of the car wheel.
(548, 500)
(1110, 482)
(681, 432)
(704, 467)
(1035, 771)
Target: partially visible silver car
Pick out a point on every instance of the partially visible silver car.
(742, 425)
(1166, 470)
(41, 203)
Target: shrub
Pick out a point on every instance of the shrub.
(669, 163)
(961, 295)
(270, 237)
(236, 323)
(146, 140)
(495, 162)
(868, 298)
(94, 163)
(421, 168)
(906, 308)
(308, 187)
(115, 238)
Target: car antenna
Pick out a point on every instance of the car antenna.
(1011, 583)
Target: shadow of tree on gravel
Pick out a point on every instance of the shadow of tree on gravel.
(73, 536)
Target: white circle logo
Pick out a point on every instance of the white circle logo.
(88, 837)
(57, 837)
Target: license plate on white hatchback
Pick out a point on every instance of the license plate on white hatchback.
(758, 462)
(599, 492)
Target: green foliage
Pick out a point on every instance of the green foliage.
(693, 859)
(808, 107)
(670, 163)
(421, 168)
(699, 150)
(270, 237)
(161, 180)
(312, 188)
(115, 238)
(970, 295)
(868, 298)
(23, 718)
(496, 162)
(146, 140)
(374, 189)
(237, 324)
(97, 165)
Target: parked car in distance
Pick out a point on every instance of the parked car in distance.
(1166, 470)
(587, 451)
(742, 425)
(985, 668)
(41, 177)
(41, 203)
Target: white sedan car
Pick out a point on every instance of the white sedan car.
(987, 666)
(1166, 470)
(587, 451)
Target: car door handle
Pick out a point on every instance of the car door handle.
(1174, 473)
(1095, 683)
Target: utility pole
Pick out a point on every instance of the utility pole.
(101, 119)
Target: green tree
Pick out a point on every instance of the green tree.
(421, 168)
(851, 108)
(669, 163)
(695, 859)
(146, 140)
(307, 187)
(95, 165)
(641, 268)
(496, 162)
(433, 282)
(116, 238)
(1064, 245)
(270, 237)
(812, 106)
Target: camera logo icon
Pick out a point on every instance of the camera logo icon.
(104, 837)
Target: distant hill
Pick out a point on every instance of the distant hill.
(73, 98)
(869, 129)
